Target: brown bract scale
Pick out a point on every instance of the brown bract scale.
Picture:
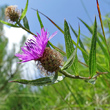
(50, 61)
(12, 13)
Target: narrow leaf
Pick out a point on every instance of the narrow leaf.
(70, 61)
(68, 40)
(25, 22)
(9, 24)
(100, 68)
(102, 38)
(52, 22)
(41, 24)
(80, 48)
(91, 31)
(69, 47)
(88, 27)
(24, 11)
(92, 56)
(83, 50)
(104, 49)
(55, 77)
(37, 82)
(56, 48)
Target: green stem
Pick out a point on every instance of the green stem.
(80, 77)
(72, 76)
(25, 28)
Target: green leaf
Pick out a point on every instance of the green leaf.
(68, 40)
(80, 48)
(102, 69)
(88, 27)
(91, 31)
(69, 47)
(78, 38)
(37, 82)
(41, 81)
(9, 24)
(83, 50)
(25, 22)
(102, 38)
(92, 56)
(52, 22)
(104, 49)
(55, 77)
(24, 11)
(70, 61)
(56, 48)
(41, 24)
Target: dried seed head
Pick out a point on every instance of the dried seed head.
(12, 13)
(50, 61)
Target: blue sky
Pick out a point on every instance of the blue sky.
(57, 10)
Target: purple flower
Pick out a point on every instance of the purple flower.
(34, 48)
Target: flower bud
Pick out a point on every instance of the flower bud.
(12, 13)
(50, 61)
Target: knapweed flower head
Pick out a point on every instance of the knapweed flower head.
(35, 49)
(50, 61)
(12, 13)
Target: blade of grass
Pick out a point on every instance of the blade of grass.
(73, 95)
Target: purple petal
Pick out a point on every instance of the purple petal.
(34, 48)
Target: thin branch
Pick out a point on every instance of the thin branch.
(72, 76)
(25, 28)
